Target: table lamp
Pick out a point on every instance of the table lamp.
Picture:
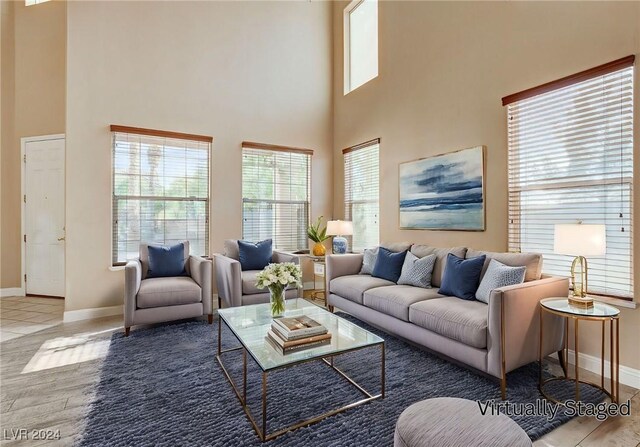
(580, 240)
(338, 229)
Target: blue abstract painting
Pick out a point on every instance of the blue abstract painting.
(444, 192)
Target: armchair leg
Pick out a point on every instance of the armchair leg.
(210, 316)
(330, 308)
(126, 331)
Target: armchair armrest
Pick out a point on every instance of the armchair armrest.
(201, 273)
(342, 265)
(228, 280)
(517, 307)
(280, 256)
(132, 280)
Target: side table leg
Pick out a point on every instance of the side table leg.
(617, 360)
(611, 357)
(219, 336)
(602, 358)
(383, 369)
(576, 350)
(540, 347)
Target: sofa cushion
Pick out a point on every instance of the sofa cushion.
(249, 282)
(255, 255)
(461, 277)
(352, 287)
(441, 258)
(461, 320)
(533, 262)
(388, 265)
(144, 258)
(498, 275)
(160, 292)
(395, 300)
(417, 271)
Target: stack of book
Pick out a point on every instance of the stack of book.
(296, 333)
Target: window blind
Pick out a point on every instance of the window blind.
(570, 160)
(361, 193)
(276, 196)
(160, 193)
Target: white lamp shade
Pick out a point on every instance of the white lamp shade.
(580, 239)
(339, 228)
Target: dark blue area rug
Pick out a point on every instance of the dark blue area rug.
(163, 386)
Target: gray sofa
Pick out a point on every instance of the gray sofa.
(155, 300)
(494, 338)
(237, 287)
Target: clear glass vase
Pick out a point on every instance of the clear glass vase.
(276, 298)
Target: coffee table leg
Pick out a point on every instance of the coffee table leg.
(244, 376)
(219, 336)
(263, 435)
(383, 369)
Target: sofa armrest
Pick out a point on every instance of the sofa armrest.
(342, 265)
(132, 281)
(518, 308)
(280, 256)
(201, 273)
(228, 280)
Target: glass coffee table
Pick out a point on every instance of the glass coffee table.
(250, 325)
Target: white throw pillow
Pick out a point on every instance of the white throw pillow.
(499, 275)
(369, 260)
(417, 271)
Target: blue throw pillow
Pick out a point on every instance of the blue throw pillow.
(166, 261)
(254, 256)
(461, 277)
(388, 264)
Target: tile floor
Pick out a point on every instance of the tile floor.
(49, 370)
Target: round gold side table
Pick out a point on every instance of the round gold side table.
(599, 312)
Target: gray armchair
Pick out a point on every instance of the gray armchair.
(155, 300)
(237, 287)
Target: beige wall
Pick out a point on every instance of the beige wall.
(9, 226)
(444, 67)
(33, 103)
(234, 70)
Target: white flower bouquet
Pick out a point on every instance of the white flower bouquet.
(276, 278)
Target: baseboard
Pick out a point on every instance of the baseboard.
(628, 376)
(89, 314)
(309, 285)
(12, 291)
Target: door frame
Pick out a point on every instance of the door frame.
(23, 189)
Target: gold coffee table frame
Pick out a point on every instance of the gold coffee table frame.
(328, 360)
(614, 352)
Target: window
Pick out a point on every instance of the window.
(276, 195)
(361, 193)
(34, 2)
(160, 190)
(360, 43)
(570, 160)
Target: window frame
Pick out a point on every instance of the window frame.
(348, 204)
(346, 25)
(119, 129)
(254, 146)
(514, 234)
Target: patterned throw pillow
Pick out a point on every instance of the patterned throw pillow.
(499, 275)
(369, 260)
(417, 271)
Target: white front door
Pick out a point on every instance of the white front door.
(44, 217)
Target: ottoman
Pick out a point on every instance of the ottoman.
(448, 421)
